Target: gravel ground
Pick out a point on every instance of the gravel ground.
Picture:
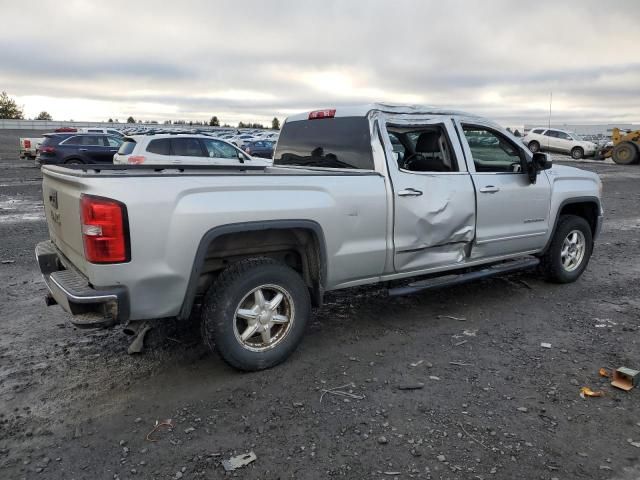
(450, 384)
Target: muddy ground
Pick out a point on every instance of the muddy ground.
(494, 405)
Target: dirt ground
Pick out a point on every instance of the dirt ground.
(493, 404)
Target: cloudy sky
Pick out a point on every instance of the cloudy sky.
(252, 60)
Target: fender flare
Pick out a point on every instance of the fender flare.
(241, 227)
(571, 201)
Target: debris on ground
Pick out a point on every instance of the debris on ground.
(587, 392)
(411, 386)
(461, 364)
(165, 423)
(460, 319)
(632, 443)
(138, 343)
(415, 364)
(7, 262)
(604, 372)
(545, 345)
(339, 392)
(240, 461)
(470, 333)
(625, 378)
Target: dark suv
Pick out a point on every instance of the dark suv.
(77, 148)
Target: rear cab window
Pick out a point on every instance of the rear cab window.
(341, 142)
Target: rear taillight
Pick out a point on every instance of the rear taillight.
(328, 113)
(136, 159)
(104, 230)
(47, 149)
(27, 144)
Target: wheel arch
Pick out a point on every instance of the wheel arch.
(299, 243)
(585, 207)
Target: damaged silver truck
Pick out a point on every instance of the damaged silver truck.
(414, 197)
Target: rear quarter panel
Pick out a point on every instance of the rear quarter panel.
(168, 217)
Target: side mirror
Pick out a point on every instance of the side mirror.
(542, 161)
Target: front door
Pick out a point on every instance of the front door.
(512, 212)
(433, 197)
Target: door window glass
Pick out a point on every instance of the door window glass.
(91, 141)
(491, 151)
(114, 142)
(422, 150)
(160, 146)
(218, 149)
(186, 147)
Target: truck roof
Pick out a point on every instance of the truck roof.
(364, 110)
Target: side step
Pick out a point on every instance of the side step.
(449, 280)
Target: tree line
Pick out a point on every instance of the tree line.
(10, 110)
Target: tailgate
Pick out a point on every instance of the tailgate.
(61, 197)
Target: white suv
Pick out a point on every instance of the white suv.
(554, 140)
(182, 150)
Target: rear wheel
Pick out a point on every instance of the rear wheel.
(74, 161)
(625, 153)
(570, 250)
(534, 146)
(577, 153)
(255, 313)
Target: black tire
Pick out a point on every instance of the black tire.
(625, 153)
(227, 294)
(534, 146)
(551, 262)
(577, 153)
(74, 161)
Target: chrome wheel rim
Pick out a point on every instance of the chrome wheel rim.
(576, 154)
(573, 250)
(263, 318)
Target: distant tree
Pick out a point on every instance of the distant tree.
(44, 116)
(509, 130)
(131, 120)
(110, 120)
(214, 122)
(226, 125)
(139, 121)
(9, 108)
(275, 124)
(517, 133)
(241, 125)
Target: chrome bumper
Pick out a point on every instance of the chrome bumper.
(89, 307)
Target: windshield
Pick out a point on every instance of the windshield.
(575, 136)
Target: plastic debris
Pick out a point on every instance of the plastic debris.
(545, 345)
(411, 386)
(138, 343)
(587, 392)
(240, 461)
(165, 423)
(625, 378)
(604, 372)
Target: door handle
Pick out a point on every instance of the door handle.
(409, 192)
(82, 149)
(489, 189)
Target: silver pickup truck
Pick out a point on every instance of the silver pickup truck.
(414, 197)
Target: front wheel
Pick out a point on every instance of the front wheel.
(534, 146)
(255, 313)
(625, 153)
(577, 153)
(74, 161)
(570, 250)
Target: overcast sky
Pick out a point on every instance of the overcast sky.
(252, 60)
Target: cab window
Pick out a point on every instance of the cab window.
(492, 152)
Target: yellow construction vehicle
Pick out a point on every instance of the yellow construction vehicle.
(626, 147)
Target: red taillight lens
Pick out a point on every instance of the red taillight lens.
(135, 159)
(328, 113)
(104, 230)
(27, 144)
(47, 150)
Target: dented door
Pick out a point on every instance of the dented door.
(434, 212)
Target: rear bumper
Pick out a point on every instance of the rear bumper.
(88, 306)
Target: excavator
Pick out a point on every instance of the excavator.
(626, 147)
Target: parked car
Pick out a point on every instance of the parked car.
(554, 140)
(29, 147)
(108, 131)
(182, 150)
(240, 140)
(260, 148)
(258, 246)
(77, 148)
